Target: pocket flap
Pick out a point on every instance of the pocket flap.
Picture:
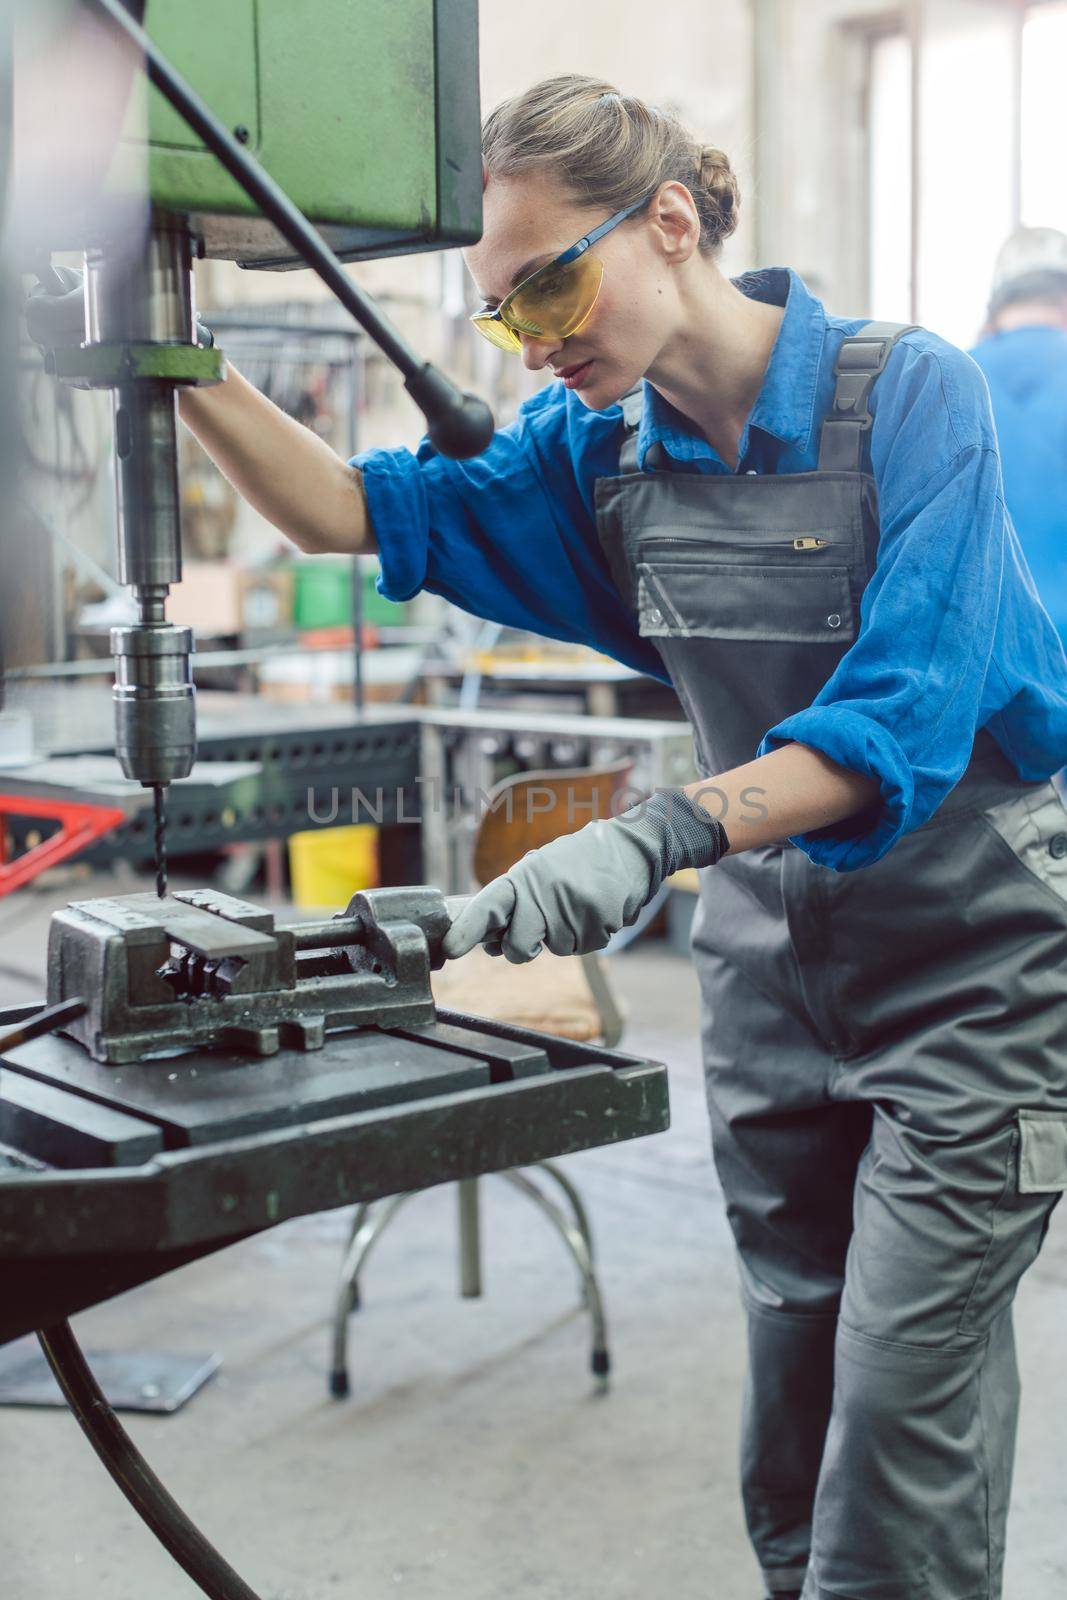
(1042, 1152)
(727, 600)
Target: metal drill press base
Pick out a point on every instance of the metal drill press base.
(153, 1382)
(114, 1170)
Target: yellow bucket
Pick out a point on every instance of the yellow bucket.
(328, 865)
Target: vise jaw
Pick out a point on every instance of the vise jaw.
(200, 968)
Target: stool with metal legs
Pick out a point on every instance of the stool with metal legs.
(511, 825)
(572, 1225)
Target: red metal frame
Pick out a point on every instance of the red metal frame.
(80, 823)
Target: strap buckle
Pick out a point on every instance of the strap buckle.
(859, 362)
(868, 355)
(861, 359)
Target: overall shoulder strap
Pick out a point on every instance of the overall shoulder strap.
(632, 404)
(860, 361)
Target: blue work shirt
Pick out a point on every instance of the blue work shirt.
(952, 635)
(1026, 370)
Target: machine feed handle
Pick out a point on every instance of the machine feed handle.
(44, 1021)
(458, 424)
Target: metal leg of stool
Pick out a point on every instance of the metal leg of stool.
(581, 1215)
(362, 1212)
(470, 1239)
(367, 1229)
(575, 1242)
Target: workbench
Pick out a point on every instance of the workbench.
(226, 1073)
(266, 770)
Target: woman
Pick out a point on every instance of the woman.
(822, 565)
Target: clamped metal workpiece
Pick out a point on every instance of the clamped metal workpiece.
(201, 968)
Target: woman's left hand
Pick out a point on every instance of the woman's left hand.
(573, 894)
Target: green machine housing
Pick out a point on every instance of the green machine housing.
(364, 111)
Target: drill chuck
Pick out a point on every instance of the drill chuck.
(155, 707)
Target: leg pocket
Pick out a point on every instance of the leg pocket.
(1042, 1152)
(1035, 1180)
(1034, 827)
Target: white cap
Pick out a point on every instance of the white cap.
(1029, 254)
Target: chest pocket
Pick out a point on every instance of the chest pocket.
(800, 589)
(750, 585)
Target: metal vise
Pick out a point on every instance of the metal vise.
(201, 968)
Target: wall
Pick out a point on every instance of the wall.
(810, 121)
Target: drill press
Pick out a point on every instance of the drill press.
(402, 82)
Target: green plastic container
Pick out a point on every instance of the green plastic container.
(323, 596)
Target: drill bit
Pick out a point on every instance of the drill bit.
(159, 793)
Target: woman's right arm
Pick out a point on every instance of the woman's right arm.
(290, 475)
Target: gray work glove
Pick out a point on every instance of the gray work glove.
(573, 894)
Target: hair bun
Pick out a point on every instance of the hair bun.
(719, 184)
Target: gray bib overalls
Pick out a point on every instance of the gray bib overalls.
(885, 1049)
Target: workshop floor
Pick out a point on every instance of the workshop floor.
(473, 1459)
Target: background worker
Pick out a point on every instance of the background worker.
(1023, 353)
(873, 692)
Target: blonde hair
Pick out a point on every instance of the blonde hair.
(609, 149)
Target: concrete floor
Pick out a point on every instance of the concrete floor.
(474, 1459)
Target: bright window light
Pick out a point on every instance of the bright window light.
(889, 147)
(1044, 117)
(966, 175)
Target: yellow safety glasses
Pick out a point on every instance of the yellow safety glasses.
(554, 301)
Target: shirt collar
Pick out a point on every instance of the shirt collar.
(785, 405)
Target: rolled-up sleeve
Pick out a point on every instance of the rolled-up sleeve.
(474, 531)
(906, 701)
(508, 535)
(400, 517)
